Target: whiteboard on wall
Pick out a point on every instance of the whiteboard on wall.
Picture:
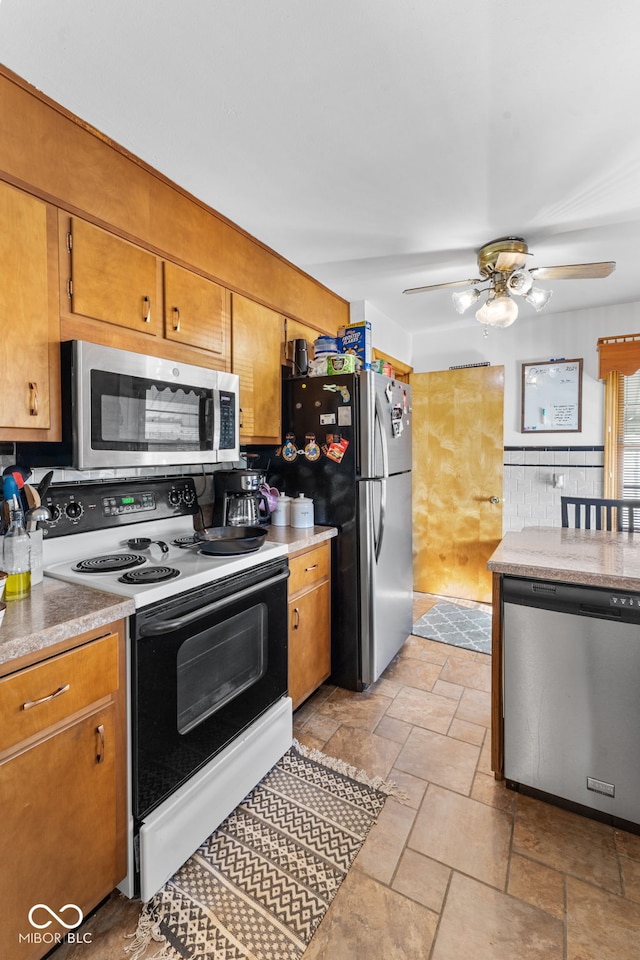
(552, 396)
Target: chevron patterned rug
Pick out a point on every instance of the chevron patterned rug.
(259, 886)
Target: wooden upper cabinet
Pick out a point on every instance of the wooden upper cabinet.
(24, 312)
(196, 310)
(294, 330)
(257, 359)
(112, 280)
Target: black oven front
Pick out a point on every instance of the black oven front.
(205, 665)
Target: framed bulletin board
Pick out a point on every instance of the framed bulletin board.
(552, 396)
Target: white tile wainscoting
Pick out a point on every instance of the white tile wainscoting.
(530, 498)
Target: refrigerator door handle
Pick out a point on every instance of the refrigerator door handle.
(384, 447)
(381, 521)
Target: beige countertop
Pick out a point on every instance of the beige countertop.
(56, 611)
(300, 538)
(593, 557)
(53, 613)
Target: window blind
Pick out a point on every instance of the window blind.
(627, 460)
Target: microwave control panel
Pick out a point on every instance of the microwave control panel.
(83, 507)
(227, 407)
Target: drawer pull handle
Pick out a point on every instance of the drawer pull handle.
(52, 696)
(296, 622)
(309, 569)
(100, 748)
(146, 309)
(176, 320)
(33, 406)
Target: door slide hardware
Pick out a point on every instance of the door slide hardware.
(52, 696)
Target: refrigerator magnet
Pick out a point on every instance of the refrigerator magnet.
(289, 450)
(344, 416)
(326, 418)
(312, 448)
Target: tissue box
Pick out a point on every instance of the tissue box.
(356, 339)
(344, 363)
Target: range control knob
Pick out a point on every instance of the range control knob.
(56, 513)
(174, 498)
(74, 510)
(188, 496)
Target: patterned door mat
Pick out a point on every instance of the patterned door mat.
(460, 626)
(259, 886)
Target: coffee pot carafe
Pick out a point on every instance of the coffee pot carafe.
(238, 501)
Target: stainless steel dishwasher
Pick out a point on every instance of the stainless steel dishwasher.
(572, 695)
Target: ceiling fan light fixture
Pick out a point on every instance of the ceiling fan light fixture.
(463, 299)
(520, 282)
(538, 298)
(498, 311)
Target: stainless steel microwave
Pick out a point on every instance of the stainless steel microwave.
(128, 409)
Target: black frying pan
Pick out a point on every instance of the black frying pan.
(229, 540)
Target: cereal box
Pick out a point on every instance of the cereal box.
(356, 338)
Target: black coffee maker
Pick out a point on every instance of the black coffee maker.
(237, 499)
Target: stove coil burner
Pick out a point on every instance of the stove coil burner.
(110, 563)
(189, 541)
(149, 575)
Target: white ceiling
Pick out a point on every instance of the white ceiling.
(375, 144)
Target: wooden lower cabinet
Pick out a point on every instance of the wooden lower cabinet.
(62, 794)
(309, 622)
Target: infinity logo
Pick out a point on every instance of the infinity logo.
(56, 916)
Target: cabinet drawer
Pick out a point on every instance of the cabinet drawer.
(36, 698)
(309, 567)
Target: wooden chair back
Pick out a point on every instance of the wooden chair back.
(593, 513)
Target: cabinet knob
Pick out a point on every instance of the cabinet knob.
(146, 309)
(494, 499)
(176, 319)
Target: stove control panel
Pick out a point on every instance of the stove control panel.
(96, 505)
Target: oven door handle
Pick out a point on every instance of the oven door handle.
(161, 626)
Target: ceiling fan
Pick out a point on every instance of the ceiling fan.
(503, 266)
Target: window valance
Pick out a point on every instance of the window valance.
(621, 354)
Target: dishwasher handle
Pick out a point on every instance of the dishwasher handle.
(602, 613)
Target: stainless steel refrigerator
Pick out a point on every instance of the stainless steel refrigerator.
(347, 445)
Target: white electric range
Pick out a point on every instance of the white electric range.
(207, 657)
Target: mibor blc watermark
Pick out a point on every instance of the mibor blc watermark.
(41, 916)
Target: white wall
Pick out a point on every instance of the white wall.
(386, 335)
(529, 339)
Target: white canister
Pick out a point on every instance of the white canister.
(281, 516)
(302, 511)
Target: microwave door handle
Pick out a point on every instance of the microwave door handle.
(162, 626)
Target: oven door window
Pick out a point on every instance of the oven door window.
(137, 413)
(216, 665)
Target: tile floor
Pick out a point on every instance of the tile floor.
(463, 868)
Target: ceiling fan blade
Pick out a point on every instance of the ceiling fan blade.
(510, 260)
(574, 271)
(441, 286)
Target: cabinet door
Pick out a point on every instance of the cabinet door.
(112, 280)
(294, 330)
(195, 310)
(24, 344)
(309, 642)
(58, 843)
(257, 335)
